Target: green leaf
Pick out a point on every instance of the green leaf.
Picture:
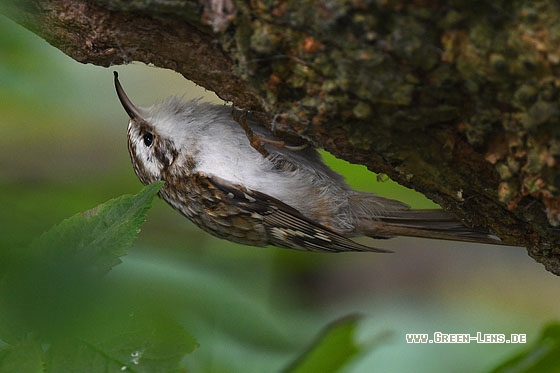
(48, 288)
(24, 356)
(112, 341)
(333, 349)
(542, 357)
(118, 341)
(57, 313)
(98, 237)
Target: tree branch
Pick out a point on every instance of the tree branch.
(457, 100)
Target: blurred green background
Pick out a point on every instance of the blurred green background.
(63, 150)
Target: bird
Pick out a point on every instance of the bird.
(239, 182)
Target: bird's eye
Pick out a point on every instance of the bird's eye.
(148, 139)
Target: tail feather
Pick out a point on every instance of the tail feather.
(436, 224)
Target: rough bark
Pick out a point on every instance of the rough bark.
(458, 99)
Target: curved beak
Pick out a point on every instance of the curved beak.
(132, 111)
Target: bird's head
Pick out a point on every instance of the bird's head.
(151, 147)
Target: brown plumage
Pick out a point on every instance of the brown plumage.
(266, 194)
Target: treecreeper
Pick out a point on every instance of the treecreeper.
(270, 194)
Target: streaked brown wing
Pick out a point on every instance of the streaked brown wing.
(285, 226)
